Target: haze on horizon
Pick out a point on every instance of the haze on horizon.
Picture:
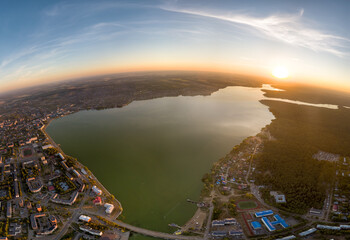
(46, 41)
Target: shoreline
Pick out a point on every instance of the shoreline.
(197, 211)
(82, 166)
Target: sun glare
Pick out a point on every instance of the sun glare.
(280, 72)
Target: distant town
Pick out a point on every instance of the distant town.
(47, 194)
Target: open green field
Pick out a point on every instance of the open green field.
(247, 204)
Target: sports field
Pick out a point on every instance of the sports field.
(247, 204)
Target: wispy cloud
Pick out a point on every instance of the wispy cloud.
(30, 61)
(287, 28)
(88, 8)
(17, 56)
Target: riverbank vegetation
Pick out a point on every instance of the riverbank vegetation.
(310, 94)
(287, 163)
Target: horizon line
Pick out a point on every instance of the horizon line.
(259, 78)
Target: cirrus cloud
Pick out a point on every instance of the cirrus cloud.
(287, 28)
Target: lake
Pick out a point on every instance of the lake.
(152, 154)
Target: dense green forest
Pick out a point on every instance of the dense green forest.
(286, 163)
(311, 94)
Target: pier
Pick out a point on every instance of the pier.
(199, 204)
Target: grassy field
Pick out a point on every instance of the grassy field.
(247, 204)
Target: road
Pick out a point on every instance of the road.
(154, 233)
(74, 216)
(250, 164)
(211, 209)
(67, 225)
(328, 204)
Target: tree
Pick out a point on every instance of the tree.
(249, 195)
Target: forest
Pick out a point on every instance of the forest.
(286, 163)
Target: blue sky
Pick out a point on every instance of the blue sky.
(43, 41)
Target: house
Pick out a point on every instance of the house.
(263, 213)
(335, 208)
(96, 190)
(21, 202)
(33, 218)
(14, 229)
(9, 210)
(218, 234)
(314, 211)
(97, 201)
(256, 225)
(217, 223)
(61, 156)
(335, 228)
(47, 231)
(69, 176)
(16, 189)
(69, 202)
(43, 160)
(230, 221)
(52, 219)
(64, 165)
(81, 185)
(307, 232)
(279, 197)
(287, 238)
(76, 173)
(38, 207)
(109, 208)
(34, 184)
(91, 231)
(47, 146)
(84, 218)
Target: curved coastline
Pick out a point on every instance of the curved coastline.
(52, 141)
(192, 219)
(114, 218)
(82, 166)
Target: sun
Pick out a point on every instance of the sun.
(280, 72)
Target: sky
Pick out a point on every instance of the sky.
(44, 41)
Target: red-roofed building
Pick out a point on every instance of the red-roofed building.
(335, 208)
(51, 188)
(97, 201)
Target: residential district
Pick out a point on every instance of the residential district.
(238, 208)
(49, 195)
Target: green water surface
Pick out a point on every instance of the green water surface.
(152, 154)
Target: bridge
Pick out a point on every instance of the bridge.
(154, 233)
